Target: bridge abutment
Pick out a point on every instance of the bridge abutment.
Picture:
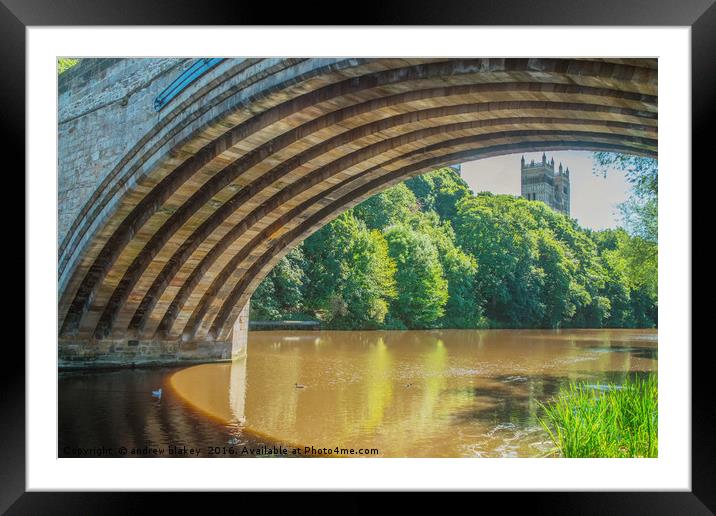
(240, 333)
(78, 353)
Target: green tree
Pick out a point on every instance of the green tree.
(280, 294)
(640, 211)
(556, 272)
(462, 309)
(401, 205)
(422, 287)
(494, 229)
(641, 217)
(352, 275)
(634, 270)
(440, 191)
(396, 204)
(617, 287)
(537, 268)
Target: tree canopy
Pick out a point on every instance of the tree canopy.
(428, 253)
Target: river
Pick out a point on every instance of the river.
(446, 393)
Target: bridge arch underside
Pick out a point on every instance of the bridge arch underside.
(177, 257)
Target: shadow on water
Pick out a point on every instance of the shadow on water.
(516, 400)
(116, 409)
(647, 353)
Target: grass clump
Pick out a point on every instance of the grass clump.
(605, 421)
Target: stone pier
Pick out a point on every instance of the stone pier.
(240, 334)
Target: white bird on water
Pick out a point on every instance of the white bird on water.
(157, 394)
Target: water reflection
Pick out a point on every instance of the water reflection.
(114, 409)
(410, 394)
(414, 394)
(237, 391)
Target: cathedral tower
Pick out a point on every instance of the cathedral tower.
(540, 182)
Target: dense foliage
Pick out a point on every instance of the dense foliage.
(428, 253)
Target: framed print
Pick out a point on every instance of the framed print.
(400, 255)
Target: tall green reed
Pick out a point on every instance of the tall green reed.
(604, 421)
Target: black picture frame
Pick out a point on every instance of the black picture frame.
(17, 15)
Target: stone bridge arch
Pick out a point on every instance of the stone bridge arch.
(182, 181)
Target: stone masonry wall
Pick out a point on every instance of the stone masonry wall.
(104, 108)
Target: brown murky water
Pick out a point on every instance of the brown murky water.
(450, 393)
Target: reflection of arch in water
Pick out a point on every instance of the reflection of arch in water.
(237, 390)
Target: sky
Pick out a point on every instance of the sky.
(594, 197)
